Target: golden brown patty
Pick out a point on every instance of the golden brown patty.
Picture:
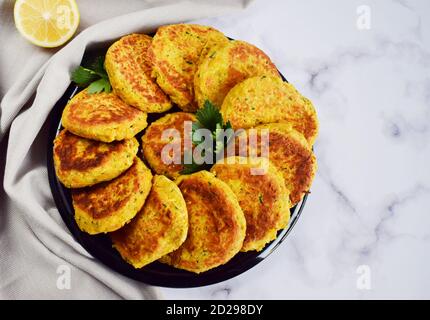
(107, 206)
(225, 66)
(216, 224)
(129, 73)
(81, 162)
(260, 189)
(290, 153)
(153, 144)
(175, 52)
(158, 229)
(266, 99)
(103, 117)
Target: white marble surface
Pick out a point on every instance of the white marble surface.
(371, 197)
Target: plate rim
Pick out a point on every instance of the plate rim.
(191, 280)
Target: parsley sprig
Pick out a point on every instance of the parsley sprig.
(94, 77)
(209, 118)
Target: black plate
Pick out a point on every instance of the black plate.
(158, 274)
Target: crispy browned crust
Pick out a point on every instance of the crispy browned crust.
(93, 154)
(103, 117)
(266, 99)
(158, 229)
(129, 70)
(263, 198)
(152, 144)
(216, 224)
(227, 66)
(175, 53)
(101, 108)
(108, 198)
(291, 154)
(81, 162)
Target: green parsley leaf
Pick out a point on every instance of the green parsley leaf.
(196, 137)
(98, 66)
(94, 77)
(83, 76)
(209, 116)
(191, 168)
(99, 86)
(222, 140)
(228, 125)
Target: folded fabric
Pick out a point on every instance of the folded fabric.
(36, 249)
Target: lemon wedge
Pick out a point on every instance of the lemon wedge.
(46, 23)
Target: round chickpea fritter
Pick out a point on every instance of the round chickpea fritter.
(266, 99)
(80, 162)
(175, 53)
(262, 195)
(153, 143)
(103, 117)
(227, 65)
(289, 152)
(108, 206)
(216, 224)
(129, 70)
(158, 229)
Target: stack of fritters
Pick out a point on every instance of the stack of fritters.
(199, 221)
(176, 52)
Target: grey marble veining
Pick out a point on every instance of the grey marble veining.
(371, 197)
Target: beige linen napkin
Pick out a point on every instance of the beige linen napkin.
(36, 249)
